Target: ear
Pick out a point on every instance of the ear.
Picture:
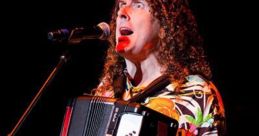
(161, 33)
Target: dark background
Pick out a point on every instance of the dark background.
(27, 57)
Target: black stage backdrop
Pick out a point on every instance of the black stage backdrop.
(27, 58)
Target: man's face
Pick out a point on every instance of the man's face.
(136, 29)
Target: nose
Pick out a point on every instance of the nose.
(123, 13)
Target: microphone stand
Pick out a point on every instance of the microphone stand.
(63, 59)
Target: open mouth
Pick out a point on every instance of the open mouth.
(124, 31)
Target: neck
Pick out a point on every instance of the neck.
(145, 71)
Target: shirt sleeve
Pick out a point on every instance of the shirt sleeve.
(197, 106)
(104, 89)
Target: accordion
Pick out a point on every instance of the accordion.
(101, 116)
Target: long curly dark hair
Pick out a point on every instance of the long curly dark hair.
(180, 51)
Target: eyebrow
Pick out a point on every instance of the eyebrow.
(120, 0)
(132, 0)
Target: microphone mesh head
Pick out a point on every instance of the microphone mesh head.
(106, 30)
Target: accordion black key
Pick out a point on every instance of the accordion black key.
(101, 116)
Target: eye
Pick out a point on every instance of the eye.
(138, 5)
(121, 4)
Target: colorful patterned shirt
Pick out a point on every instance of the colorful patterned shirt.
(197, 106)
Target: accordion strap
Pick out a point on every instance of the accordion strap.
(155, 86)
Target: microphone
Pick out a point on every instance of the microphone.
(78, 34)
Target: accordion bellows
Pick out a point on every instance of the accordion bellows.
(101, 116)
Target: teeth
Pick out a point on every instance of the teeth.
(125, 28)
